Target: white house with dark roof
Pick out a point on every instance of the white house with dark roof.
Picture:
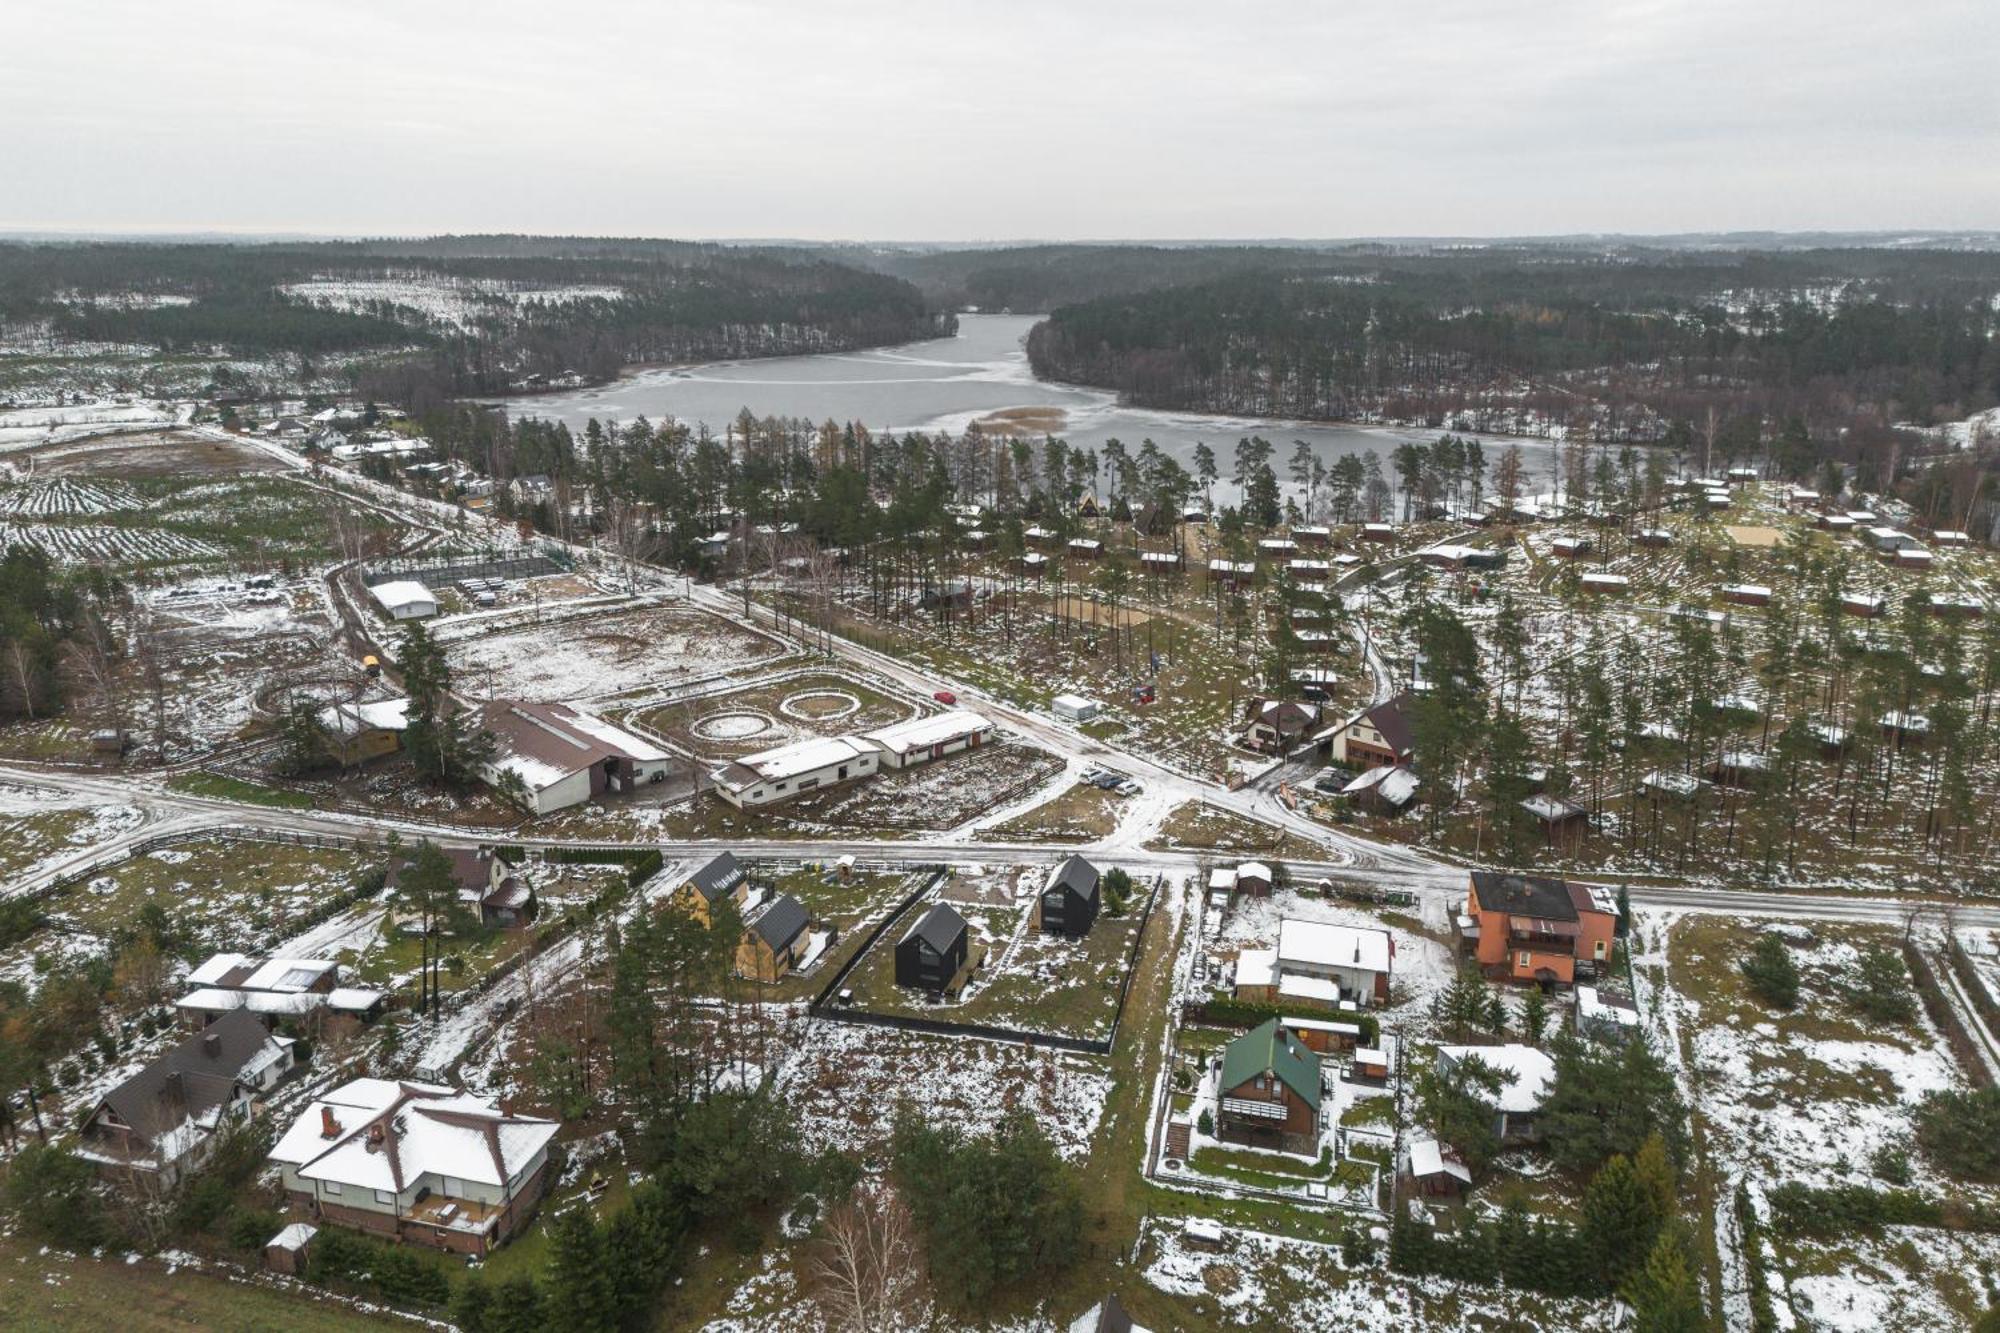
(562, 756)
(416, 1162)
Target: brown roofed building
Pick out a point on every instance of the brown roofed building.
(1533, 928)
(1382, 735)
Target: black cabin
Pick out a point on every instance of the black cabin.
(1070, 898)
(934, 950)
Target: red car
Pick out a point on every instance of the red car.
(945, 697)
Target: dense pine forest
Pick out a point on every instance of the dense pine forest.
(414, 320)
(1613, 346)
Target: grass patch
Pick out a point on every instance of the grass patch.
(221, 787)
(1082, 814)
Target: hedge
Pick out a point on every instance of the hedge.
(1223, 1011)
(1834, 1210)
(1945, 1017)
(1763, 1312)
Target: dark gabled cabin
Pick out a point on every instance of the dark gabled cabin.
(933, 952)
(1070, 898)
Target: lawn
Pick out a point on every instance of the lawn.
(1084, 813)
(1197, 826)
(1030, 980)
(217, 893)
(45, 1290)
(849, 906)
(221, 787)
(761, 717)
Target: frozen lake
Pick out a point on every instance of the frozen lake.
(944, 384)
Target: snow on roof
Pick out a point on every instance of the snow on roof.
(353, 998)
(1323, 944)
(430, 1130)
(1073, 701)
(209, 999)
(293, 1237)
(1591, 1007)
(1394, 783)
(1951, 535)
(1746, 590)
(923, 732)
(1666, 780)
(351, 719)
(1597, 580)
(1233, 566)
(1428, 1159)
(633, 746)
(288, 974)
(1528, 1072)
(801, 757)
(1256, 967)
(1252, 870)
(1221, 878)
(401, 592)
(1543, 806)
(1300, 986)
(216, 968)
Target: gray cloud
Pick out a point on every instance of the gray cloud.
(946, 120)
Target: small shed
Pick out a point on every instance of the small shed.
(405, 599)
(288, 1251)
(1074, 708)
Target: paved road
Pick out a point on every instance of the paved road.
(1438, 885)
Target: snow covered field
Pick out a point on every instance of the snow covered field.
(457, 303)
(606, 655)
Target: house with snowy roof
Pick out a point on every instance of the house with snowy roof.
(416, 1162)
(1526, 1075)
(164, 1121)
(562, 756)
(771, 777)
(1320, 965)
(355, 732)
(274, 989)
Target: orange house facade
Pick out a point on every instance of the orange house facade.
(1535, 929)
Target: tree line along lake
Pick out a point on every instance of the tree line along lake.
(945, 384)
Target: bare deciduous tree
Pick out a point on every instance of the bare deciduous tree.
(866, 1265)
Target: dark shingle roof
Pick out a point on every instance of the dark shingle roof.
(1523, 895)
(781, 922)
(1392, 719)
(940, 928)
(146, 1101)
(719, 877)
(1111, 1317)
(1078, 874)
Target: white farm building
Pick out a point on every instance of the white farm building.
(405, 599)
(923, 739)
(563, 757)
(772, 776)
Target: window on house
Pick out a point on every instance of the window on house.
(1600, 949)
(331, 1186)
(1523, 961)
(385, 1196)
(779, 787)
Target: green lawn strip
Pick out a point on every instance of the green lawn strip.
(221, 787)
(1207, 1158)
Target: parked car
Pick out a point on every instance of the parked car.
(945, 697)
(1128, 788)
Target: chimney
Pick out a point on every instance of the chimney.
(329, 1128)
(375, 1137)
(170, 1087)
(211, 1043)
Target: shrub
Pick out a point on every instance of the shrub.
(1773, 976)
(1960, 1131)
(1206, 1123)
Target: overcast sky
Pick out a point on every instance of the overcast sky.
(935, 119)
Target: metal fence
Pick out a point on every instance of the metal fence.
(448, 569)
